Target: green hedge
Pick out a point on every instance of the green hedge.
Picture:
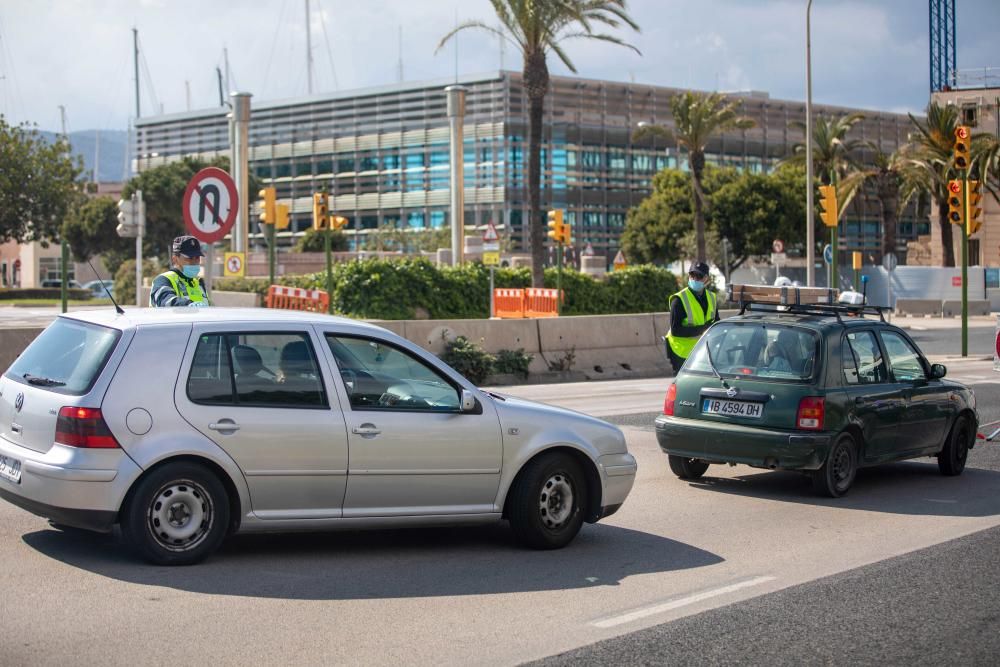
(395, 289)
(43, 293)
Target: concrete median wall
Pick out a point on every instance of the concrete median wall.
(583, 347)
(222, 299)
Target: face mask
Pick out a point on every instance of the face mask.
(191, 270)
(696, 285)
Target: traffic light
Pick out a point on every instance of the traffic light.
(974, 217)
(961, 147)
(267, 205)
(956, 212)
(126, 218)
(828, 202)
(338, 221)
(281, 216)
(321, 207)
(558, 230)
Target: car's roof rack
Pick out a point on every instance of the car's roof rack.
(822, 310)
(795, 300)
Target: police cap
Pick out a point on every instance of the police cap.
(187, 246)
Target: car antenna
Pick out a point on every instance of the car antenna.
(118, 309)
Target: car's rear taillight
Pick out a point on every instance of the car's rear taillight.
(84, 427)
(812, 409)
(668, 402)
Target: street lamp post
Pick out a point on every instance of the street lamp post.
(810, 213)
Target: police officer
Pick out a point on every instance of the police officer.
(692, 311)
(181, 285)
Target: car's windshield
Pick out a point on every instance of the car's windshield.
(758, 350)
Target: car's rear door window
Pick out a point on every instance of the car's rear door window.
(759, 350)
(862, 359)
(67, 357)
(903, 358)
(262, 369)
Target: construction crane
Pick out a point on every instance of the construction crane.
(942, 26)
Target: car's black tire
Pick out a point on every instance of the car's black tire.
(176, 515)
(686, 468)
(546, 503)
(951, 460)
(835, 477)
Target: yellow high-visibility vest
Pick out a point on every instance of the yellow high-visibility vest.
(186, 287)
(694, 316)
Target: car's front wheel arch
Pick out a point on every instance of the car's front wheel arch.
(590, 472)
(232, 495)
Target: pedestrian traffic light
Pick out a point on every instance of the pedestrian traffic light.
(829, 213)
(267, 205)
(961, 147)
(281, 216)
(956, 212)
(558, 230)
(338, 221)
(974, 212)
(126, 218)
(321, 207)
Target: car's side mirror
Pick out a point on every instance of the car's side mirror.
(468, 401)
(938, 371)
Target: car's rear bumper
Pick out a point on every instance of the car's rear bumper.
(69, 485)
(733, 443)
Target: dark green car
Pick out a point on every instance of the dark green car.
(822, 390)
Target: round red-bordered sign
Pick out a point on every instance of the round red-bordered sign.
(998, 345)
(778, 246)
(210, 204)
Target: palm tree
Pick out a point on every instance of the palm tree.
(931, 165)
(697, 118)
(889, 178)
(833, 153)
(536, 27)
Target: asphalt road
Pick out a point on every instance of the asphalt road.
(675, 554)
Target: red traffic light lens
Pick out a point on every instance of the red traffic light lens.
(962, 132)
(954, 187)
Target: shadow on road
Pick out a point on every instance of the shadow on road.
(910, 487)
(386, 564)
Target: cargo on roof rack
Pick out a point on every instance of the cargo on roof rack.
(788, 295)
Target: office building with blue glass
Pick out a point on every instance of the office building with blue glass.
(382, 153)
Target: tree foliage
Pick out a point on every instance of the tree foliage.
(37, 184)
(312, 241)
(90, 231)
(749, 210)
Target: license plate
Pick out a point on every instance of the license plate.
(714, 406)
(10, 468)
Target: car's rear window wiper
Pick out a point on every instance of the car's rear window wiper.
(42, 381)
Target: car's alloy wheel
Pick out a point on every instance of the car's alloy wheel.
(686, 468)
(837, 475)
(176, 515)
(951, 460)
(545, 504)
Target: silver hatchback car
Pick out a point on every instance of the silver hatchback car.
(183, 426)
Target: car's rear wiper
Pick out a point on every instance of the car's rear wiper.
(708, 350)
(41, 381)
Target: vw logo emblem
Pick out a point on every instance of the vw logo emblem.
(19, 401)
(732, 391)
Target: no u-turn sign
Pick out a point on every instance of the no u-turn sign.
(210, 204)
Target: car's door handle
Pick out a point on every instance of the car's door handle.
(366, 430)
(224, 425)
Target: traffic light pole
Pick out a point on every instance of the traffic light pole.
(270, 251)
(559, 262)
(329, 268)
(64, 254)
(965, 266)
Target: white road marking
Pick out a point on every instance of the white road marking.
(644, 612)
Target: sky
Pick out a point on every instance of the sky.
(78, 53)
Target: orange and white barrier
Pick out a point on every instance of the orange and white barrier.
(295, 298)
(529, 302)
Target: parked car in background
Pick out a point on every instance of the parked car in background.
(185, 425)
(100, 288)
(58, 283)
(822, 390)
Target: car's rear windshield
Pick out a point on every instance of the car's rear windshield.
(757, 350)
(67, 357)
